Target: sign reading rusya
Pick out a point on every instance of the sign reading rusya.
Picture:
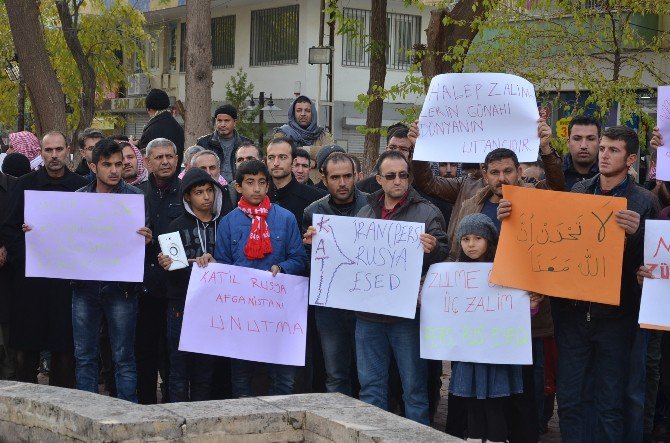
(466, 116)
(246, 314)
(655, 304)
(366, 265)
(466, 318)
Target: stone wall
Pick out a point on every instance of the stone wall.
(47, 414)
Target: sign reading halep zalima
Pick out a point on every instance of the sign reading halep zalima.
(245, 313)
(466, 116)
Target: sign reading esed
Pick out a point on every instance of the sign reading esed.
(561, 244)
(466, 318)
(466, 116)
(245, 313)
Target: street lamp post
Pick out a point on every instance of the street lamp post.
(270, 106)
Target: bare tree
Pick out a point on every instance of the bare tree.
(46, 95)
(377, 46)
(198, 66)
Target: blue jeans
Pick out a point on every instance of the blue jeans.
(90, 301)
(636, 388)
(337, 330)
(281, 378)
(191, 374)
(375, 342)
(597, 353)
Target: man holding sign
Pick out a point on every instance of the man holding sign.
(42, 307)
(380, 336)
(595, 340)
(116, 301)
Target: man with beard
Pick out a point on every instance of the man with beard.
(133, 171)
(582, 161)
(336, 327)
(41, 313)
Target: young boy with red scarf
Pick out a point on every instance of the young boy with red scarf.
(265, 236)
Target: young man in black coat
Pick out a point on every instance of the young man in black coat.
(162, 124)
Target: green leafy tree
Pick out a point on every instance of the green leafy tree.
(239, 90)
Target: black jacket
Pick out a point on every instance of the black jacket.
(646, 204)
(295, 197)
(208, 142)
(572, 176)
(7, 183)
(164, 125)
(194, 233)
(163, 206)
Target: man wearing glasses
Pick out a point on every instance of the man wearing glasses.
(86, 141)
(380, 336)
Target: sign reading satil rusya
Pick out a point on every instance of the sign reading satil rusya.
(466, 116)
(562, 244)
(246, 314)
(655, 304)
(84, 236)
(466, 318)
(366, 264)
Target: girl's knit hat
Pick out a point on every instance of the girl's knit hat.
(477, 224)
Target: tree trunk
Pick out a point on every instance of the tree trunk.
(88, 80)
(47, 99)
(198, 65)
(378, 45)
(441, 38)
(21, 106)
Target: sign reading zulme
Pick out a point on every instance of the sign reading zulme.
(246, 314)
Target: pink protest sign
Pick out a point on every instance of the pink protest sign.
(663, 155)
(84, 236)
(247, 314)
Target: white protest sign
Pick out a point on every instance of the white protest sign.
(466, 116)
(246, 314)
(366, 265)
(655, 302)
(466, 318)
(84, 236)
(663, 121)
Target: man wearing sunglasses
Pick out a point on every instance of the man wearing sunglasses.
(380, 336)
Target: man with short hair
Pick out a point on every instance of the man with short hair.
(164, 204)
(162, 124)
(284, 188)
(241, 241)
(209, 162)
(134, 171)
(225, 139)
(359, 168)
(115, 301)
(41, 315)
(380, 336)
(86, 141)
(595, 341)
(245, 152)
(188, 156)
(581, 163)
(336, 327)
(301, 167)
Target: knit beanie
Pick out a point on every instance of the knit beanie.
(226, 109)
(477, 224)
(16, 165)
(324, 152)
(157, 99)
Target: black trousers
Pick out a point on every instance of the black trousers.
(150, 348)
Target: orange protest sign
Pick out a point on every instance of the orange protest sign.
(561, 244)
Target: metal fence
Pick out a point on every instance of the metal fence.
(403, 30)
(274, 36)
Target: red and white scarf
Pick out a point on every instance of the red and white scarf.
(258, 243)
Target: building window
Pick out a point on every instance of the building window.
(172, 49)
(404, 31)
(274, 36)
(223, 43)
(153, 44)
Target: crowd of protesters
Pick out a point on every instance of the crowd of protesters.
(238, 203)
